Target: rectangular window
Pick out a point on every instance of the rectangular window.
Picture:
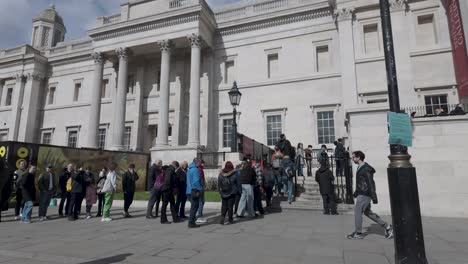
(131, 84)
(9, 96)
(46, 138)
(3, 136)
(102, 138)
(45, 37)
(127, 137)
(72, 138)
(104, 88)
(323, 59)
(426, 31)
(371, 39)
(274, 129)
(227, 133)
(76, 94)
(229, 72)
(50, 99)
(434, 103)
(326, 127)
(272, 65)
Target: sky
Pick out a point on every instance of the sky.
(79, 15)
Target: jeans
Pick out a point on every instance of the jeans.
(109, 198)
(19, 202)
(277, 175)
(287, 165)
(75, 205)
(44, 201)
(65, 196)
(27, 211)
(329, 203)
(290, 184)
(300, 170)
(269, 195)
(168, 198)
(181, 200)
(363, 206)
(202, 203)
(128, 200)
(155, 198)
(227, 206)
(309, 166)
(246, 201)
(194, 204)
(100, 203)
(258, 199)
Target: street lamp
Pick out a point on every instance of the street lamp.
(402, 183)
(234, 97)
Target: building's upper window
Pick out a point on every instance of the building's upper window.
(326, 127)
(45, 37)
(76, 94)
(426, 30)
(34, 36)
(227, 133)
(51, 95)
(273, 65)
(127, 137)
(72, 140)
(229, 72)
(102, 138)
(9, 96)
(3, 135)
(274, 129)
(104, 88)
(436, 102)
(131, 84)
(323, 59)
(371, 39)
(46, 138)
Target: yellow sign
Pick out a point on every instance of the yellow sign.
(2, 151)
(23, 152)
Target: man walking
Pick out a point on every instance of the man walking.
(194, 189)
(29, 194)
(17, 179)
(128, 186)
(46, 184)
(65, 194)
(287, 164)
(170, 184)
(364, 194)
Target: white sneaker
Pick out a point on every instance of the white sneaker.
(88, 217)
(201, 221)
(17, 218)
(107, 219)
(41, 219)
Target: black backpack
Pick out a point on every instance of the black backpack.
(225, 184)
(292, 155)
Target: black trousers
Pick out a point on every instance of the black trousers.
(269, 194)
(100, 203)
(44, 202)
(236, 204)
(329, 203)
(19, 201)
(155, 198)
(65, 196)
(168, 198)
(181, 200)
(75, 205)
(340, 167)
(309, 167)
(228, 207)
(258, 199)
(128, 200)
(194, 204)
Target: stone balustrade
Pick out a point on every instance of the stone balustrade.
(21, 50)
(70, 46)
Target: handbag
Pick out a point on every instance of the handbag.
(53, 202)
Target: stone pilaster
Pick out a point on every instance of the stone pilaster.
(29, 115)
(16, 104)
(163, 126)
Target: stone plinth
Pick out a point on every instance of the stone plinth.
(170, 153)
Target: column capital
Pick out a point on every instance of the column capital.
(398, 5)
(195, 40)
(166, 45)
(343, 14)
(123, 53)
(20, 77)
(98, 57)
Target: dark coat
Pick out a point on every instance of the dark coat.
(170, 179)
(285, 147)
(248, 176)
(181, 177)
(129, 181)
(457, 111)
(324, 177)
(28, 188)
(44, 181)
(78, 182)
(269, 179)
(154, 171)
(339, 151)
(63, 180)
(231, 175)
(365, 184)
(88, 179)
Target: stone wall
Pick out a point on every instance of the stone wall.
(438, 153)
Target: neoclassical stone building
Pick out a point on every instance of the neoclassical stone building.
(156, 75)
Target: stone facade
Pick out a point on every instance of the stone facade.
(165, 67)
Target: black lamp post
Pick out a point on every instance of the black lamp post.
(234, 97)
(403, 187)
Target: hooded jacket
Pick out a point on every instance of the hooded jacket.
(129, 181)
(365, 184)
(193, 179)
(28, 188)
(285, 147)
(63, 180)
(324, 177)
(170, 179)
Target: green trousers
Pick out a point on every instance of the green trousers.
(108, 199)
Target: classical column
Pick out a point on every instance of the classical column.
(17, 102)
(121, 99)
(163, 126)
(95, 108)
(344, 19)
(29, 124)
(194, 114)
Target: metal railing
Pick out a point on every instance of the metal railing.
(212, 160)
(254, 150)
(434, 110)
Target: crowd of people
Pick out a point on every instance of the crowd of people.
(241, 187)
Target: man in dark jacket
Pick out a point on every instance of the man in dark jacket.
(76, 195)
(17, 179)
(29, 193)
(339, 157)
(128, 186)
(46, 185)
(364, 194)
(170, 184)
(324, 177)
(6, 186)
(155, 194)
(181, 172)
(65, 195)
(268, 184)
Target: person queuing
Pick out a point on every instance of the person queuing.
(238, 187)
(76, 194)
(247, 180)
(287, 165)
(46, 186)
(64, 193)
(17, 179)
(268, 184)
(258, 188)
(100, 194)
(277, 170)
(129, 180)
(182, 187)
(110, 187)
(89, 189)
(227, 185)
(324, 177)
(200, 219)
(168, 191)
(300, 159)
(194, 189)
(155, 194)
(29, 193)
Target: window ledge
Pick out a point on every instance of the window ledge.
(430, 51)
(370, 59)
(5, 108)
(58, 107)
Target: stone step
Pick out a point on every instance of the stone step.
(310, 206)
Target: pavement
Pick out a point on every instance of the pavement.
(282, 237)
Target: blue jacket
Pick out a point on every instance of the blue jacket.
(193, 179)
